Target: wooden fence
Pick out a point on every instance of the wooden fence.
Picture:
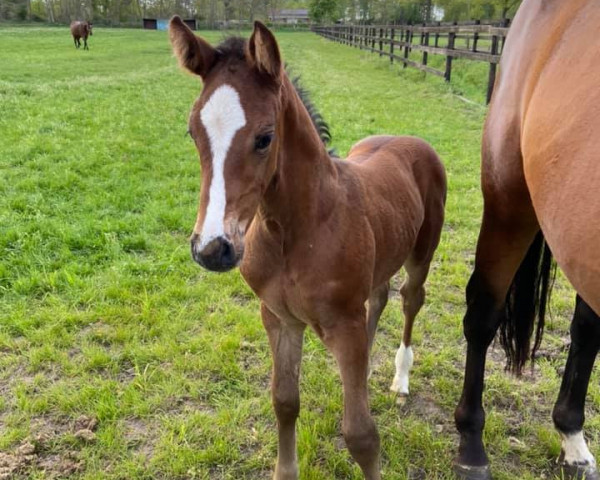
(475, 41)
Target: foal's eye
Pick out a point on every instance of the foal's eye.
(262, 142)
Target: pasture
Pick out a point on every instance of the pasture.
(120, 358)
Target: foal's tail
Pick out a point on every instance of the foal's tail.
(526, 302)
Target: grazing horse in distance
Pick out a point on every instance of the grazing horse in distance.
(540, 178)
(317, 238)
(81, 29)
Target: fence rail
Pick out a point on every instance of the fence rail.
(477, 42)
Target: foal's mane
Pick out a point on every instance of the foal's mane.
(235, 47)
(317, 119)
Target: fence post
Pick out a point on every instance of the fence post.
(426, 43)
(392, 45)
(448, 72)
(363, 37)
(437, 35)
(408, 41)
(492, 73)
(373, 35)
(380, 42)
(360, 37)
(476, 36)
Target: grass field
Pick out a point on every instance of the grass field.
(122, 359)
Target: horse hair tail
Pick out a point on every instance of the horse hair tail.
(525, 306)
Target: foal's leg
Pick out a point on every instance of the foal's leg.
(85, 45)
(568, 414)
(377, 302)
(286, 347)
(413, 297)
(502, 245)
(348, 340)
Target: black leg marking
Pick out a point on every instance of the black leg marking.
(481, 322)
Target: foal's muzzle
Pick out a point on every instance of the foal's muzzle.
(218, 255)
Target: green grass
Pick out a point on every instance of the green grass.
(103, 313)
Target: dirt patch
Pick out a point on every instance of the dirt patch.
(30, 456)
(423, 405)
(139, 439)
(242, 298)
(35, 453)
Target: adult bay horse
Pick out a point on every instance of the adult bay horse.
(316, 238)
(81, 29)
(540, 177)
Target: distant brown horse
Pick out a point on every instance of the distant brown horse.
(540, 180)
(81, 29)
(317, 238)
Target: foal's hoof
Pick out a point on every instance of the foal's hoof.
(467, 472)
(579, 472)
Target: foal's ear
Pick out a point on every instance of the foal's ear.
(194, 53)
(263, 51)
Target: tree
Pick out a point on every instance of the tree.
(509, 7)
(323, 10)
(478, 9)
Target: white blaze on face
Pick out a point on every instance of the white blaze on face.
(222, 116)
(576, 450)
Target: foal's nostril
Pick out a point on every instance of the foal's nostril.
(227, 253)
(218, 255)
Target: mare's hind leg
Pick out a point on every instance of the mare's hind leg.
(85, 45)
(568, 415)
(413, 297)
(502, 245)
(508, 228)
(286, 347)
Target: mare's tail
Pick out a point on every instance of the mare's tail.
(526, 302)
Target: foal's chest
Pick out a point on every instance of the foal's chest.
(287, 292)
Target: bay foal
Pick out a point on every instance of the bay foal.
(316, 238)
(540, 178)
(79, 30)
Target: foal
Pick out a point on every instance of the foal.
(81, 29)
(316, 238)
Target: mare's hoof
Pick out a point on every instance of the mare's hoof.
(467, 472)
(579, 472)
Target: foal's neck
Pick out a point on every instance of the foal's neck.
(303, 188)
